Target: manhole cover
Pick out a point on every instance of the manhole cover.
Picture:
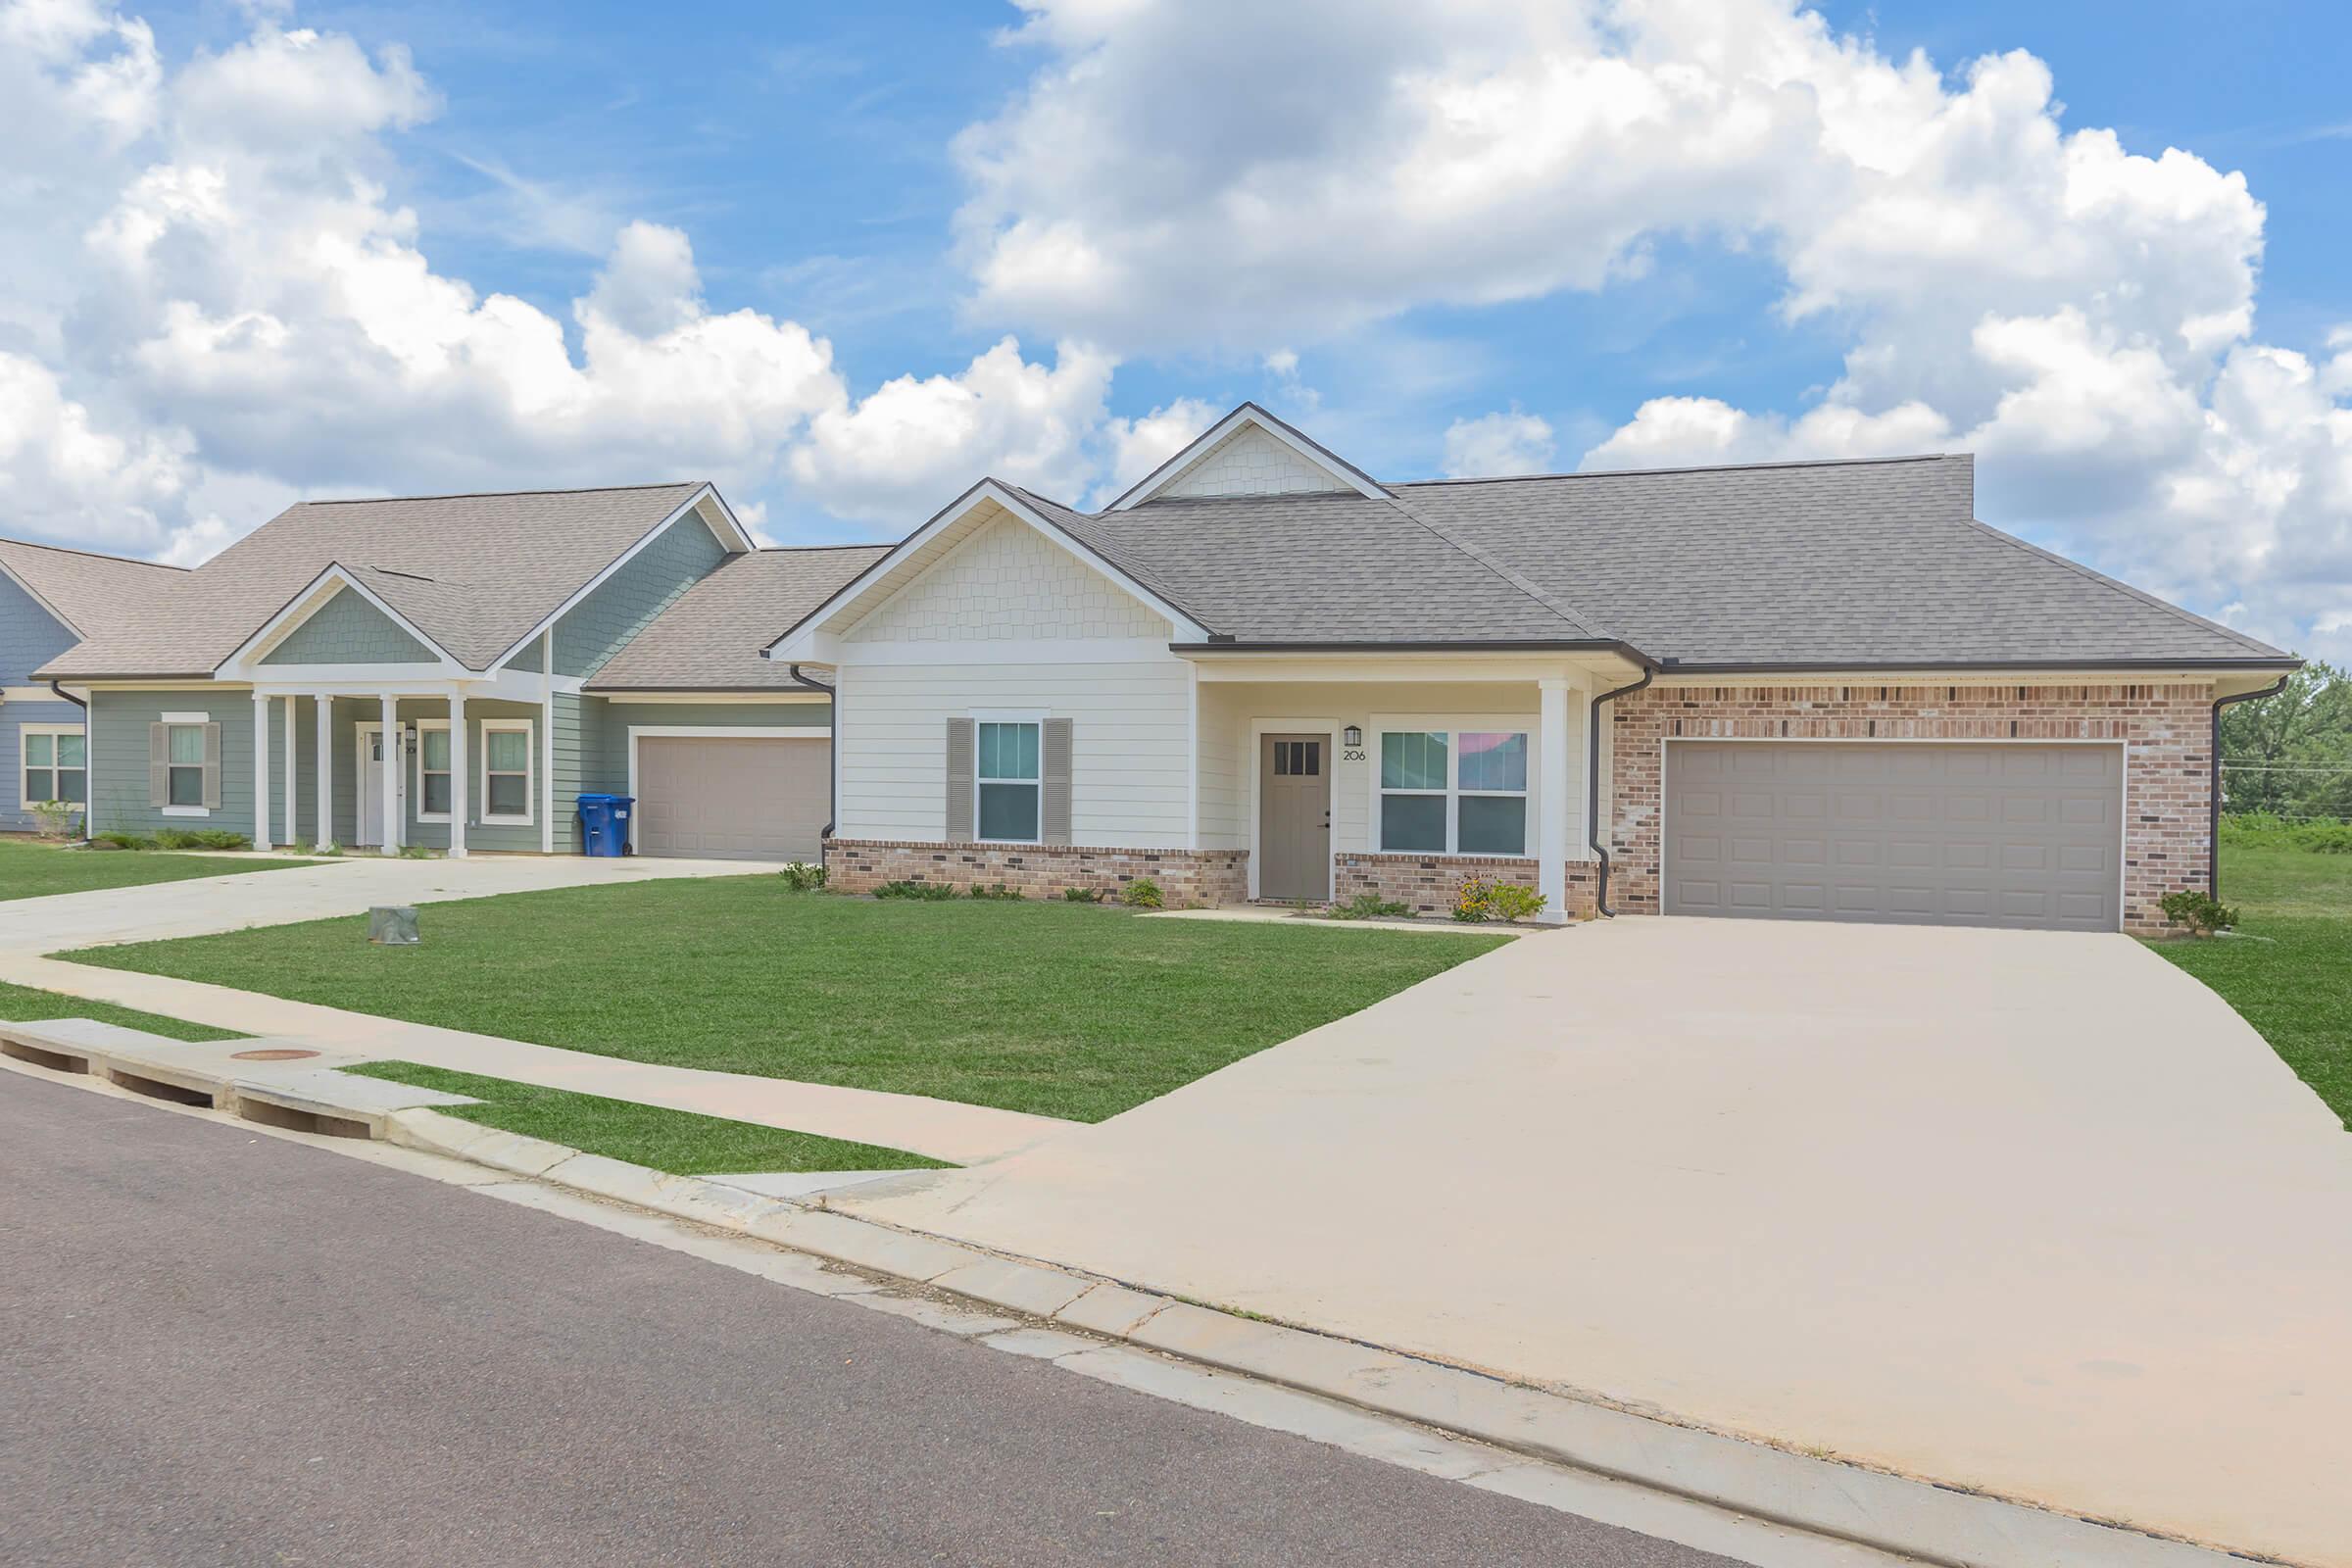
(270, 1056)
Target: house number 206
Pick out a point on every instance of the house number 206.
(1353, 753)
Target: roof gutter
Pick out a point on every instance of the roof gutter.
(1549, 644)
(1592, 834)
(1919, 666)
(832, 755)
(2213, 806)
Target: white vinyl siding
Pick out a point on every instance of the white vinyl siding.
(1131, 719)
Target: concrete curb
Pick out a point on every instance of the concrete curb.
(1825, 1499)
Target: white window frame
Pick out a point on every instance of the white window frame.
(421, 725)
(26, 732)
(196, 722)
(530, 771)
(1453, 727)
(1037, 721)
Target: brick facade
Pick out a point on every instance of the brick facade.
(2166, 772)
(1426, 883)
(1186, 878)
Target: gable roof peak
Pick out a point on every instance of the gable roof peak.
(1252, 452)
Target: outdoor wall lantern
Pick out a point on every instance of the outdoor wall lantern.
(1354, 735)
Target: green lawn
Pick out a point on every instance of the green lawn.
(1062, 1009)
(675, 1140)
(30, 869)
(2296, 986)
(22, 1003)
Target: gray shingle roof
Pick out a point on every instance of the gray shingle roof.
(711, 639)
(94, 593)
(1870, 562)
(473, 572)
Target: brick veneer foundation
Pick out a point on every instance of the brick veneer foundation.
(1186, 878)
(2167, 760)
(1426, 882)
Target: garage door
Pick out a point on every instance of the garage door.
(732, 798)
(1919, 833)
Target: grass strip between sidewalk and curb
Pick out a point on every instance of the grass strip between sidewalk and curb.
(679, 1142)
(25, 1004)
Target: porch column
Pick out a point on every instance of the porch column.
(293, 836)
(325, 744)
(261, 771)
(547, 742)
(1552, 812)
(390, 779)
(457, 775)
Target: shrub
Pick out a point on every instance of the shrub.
(1474, 899)
(1369, 906)
(1142, 894)
(1081, 895)
(2201, 913)
(418, 851)
(801, 877)
(929, 892)
(124, 840)
(207, 838)
(1511, 902)
(2265, 830)
(998, 890)
(59, 819)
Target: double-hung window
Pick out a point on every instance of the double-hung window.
(1008, 782)
(433, 793)
(506, 770)
(1453, 792)
(183, 758)
(56, 766)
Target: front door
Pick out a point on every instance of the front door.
(1294, 817)
(370, 759)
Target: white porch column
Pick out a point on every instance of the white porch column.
(325, 744)
(390, 780)
(293, 834)
(1552, 836)
(261, 771)
(547, 742)
(458, 775)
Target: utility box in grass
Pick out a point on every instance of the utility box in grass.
(392, 925)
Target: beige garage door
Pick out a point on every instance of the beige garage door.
(732, 798)
(1915, 832)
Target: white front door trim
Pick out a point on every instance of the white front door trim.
(1259, 729)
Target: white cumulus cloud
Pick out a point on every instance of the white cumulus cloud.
(1495, 444)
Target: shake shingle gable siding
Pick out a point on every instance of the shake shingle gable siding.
(349, 631)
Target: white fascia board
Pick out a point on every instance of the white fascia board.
(740, 541)
(245, 662)
(1249, 414)
(801, 643)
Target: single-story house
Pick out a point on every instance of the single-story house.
(50, 599)
(451, 671)
(1796, 690)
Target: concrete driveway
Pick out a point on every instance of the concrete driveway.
(2033, 1213)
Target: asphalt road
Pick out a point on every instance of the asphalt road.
(222, 1349)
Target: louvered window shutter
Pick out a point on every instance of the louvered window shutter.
(959, 781)
(159, 764)
(211, 767)
(1054, 803)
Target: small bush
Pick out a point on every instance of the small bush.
(2201, 913)
(801, 877)
(59, 819)
(1369, 906)
(204, 838)
(334, 849)
(999, 891)
(124, 840)
(1142, 894)
(418, 851)
(1081, 895)
(2265, 830)
(1511, 902)
(1474, 899)
(929, 892)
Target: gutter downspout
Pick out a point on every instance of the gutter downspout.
(832, 754)
(85, 752)
(1600, 896)
(2213, 823)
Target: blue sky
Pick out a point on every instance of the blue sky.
(823, 167)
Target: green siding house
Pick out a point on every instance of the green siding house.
(454, 671)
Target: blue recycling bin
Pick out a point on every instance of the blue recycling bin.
(605, 825)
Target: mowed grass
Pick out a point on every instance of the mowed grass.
(2296, 986)
(1061, 1009)
(30, 869)
(23, 1005)
(675, 1140)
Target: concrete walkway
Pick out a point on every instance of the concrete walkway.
(2030, 1212)
(32, 927)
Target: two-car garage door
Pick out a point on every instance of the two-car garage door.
(2007, 834)
(732, 797)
